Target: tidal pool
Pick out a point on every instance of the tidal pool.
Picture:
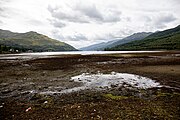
(102, 81)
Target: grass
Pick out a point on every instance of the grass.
(162, 94)
(113, 97)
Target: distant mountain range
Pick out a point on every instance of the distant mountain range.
(162, 40)
(113, 43)
(99, 46)
(35, 42)
(30, 41)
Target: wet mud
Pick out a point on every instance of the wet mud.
(43, 88)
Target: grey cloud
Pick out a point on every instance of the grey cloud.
(51, 10)
(160, 26)
(167, 18)
(158, 21)
(114, 35)
(1, 9)
(69, 17)
(57, 23)
(3, 1)
(35, 22)
(77, 37)
(104, 37)
(163, 20)
(127, 19)
(56, 34)
(4, 10)
(126, 32)
(84, 14)
(72, 16)
(90, 11)
(60, 37)
(113, 17)
(176, 1)
(94, 14)
(147, 19)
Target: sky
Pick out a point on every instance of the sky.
(81, 23)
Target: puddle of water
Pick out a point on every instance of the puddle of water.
(95, 82)
(115, 79)
(106, 81)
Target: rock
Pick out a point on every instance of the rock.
(89, 80)
(6, 91)
(28, 109)
(114, 86)
(26, 65)
(71, 80)
(113, 73)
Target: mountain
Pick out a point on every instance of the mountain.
(32, 41)
(99, 46)
(113, 43)
(162, 40)
(135, 36)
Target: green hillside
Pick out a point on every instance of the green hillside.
(164, 40)
(31, 41)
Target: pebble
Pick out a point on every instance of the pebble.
(28, 109)
(26, 65)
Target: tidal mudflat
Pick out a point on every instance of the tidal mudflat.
(111, 85)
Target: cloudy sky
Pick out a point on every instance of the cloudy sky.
(84, 22)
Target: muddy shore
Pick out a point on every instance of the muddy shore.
(22, 82)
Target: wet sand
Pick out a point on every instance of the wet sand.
(23, 80)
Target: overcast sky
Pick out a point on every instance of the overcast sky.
(84, 22)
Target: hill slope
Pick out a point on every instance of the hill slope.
(163, 40)
(133, 37)
(99, 46)
(113, 43)
(32, 41)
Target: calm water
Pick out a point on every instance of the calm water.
(51, 54)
